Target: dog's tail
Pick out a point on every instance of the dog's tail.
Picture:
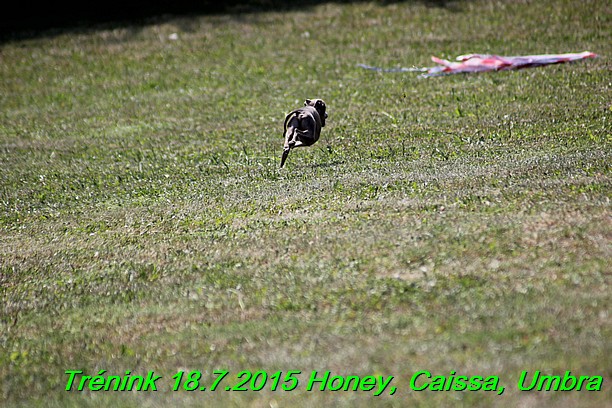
(285, 155)
(292, 124)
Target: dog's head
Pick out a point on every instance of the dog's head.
(319, 105)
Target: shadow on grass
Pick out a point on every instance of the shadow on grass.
(53, 18)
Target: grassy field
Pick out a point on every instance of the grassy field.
(459, 223)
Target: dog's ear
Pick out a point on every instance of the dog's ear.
(307, 102)
(321, 108)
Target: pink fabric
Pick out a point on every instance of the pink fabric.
(485, 62)
(482, 63)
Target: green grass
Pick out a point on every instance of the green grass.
(457, 223)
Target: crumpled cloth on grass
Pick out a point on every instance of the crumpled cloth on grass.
(483, 62)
